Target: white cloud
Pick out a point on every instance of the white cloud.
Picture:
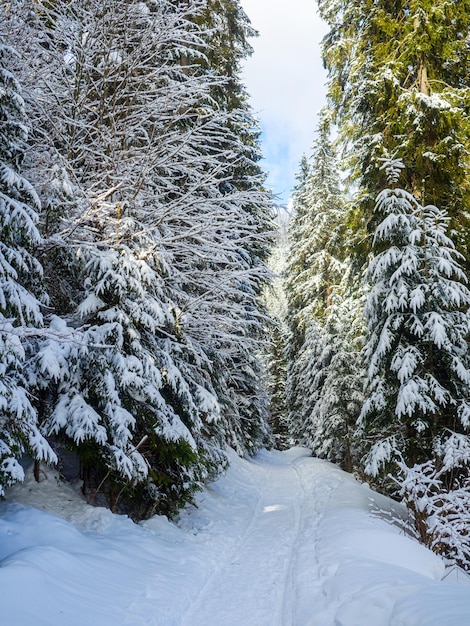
(285, 78)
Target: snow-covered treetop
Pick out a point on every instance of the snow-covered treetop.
(393, 168)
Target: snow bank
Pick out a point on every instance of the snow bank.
(282, 539)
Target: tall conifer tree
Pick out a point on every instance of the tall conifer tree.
(20, 311)
(416, 416)
(417, 354)
(313, 275)
(399, 79)
(165, 235)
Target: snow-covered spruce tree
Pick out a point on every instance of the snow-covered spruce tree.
(297, 330)
(276, 376)
(437, 493)
(398, 79)
(229, 30)
(330, 430)
(308, 372)
(242, 182)
(20, 312)
(314, 267)
(314, 270)
(417, 392)
(296, 261)
(153, 156)
(275, 352)
(417, 410)
(134, 399)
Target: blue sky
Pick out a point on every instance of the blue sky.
(285, 78)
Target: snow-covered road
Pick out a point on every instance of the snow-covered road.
(280, 540)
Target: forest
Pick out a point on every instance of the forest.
(143, 331)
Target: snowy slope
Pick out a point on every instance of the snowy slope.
(280, 540)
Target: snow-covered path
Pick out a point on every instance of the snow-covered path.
(260, 561)
(280, 540)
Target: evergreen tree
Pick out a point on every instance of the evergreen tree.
(164, 237)
(330, 430)
(126, 381)
(313, 275)
(399, 79)
(297, 330)
(275, 353)
(306, 377)
(437, 495)
(276, 376)
(229, 30)
(417, 408)
(20, 309)
(314, 266)
(416, 313)
(297, 264)
(316, 256)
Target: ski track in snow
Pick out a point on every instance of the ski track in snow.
(259, 565)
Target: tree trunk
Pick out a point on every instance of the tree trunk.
(36, 470)
(423, 82)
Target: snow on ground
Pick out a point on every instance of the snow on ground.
(280, 540)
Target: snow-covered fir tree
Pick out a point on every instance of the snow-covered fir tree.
(437, 494)
(20, 309)
(313, 275)
(278, 331)
(162, 225)
(330, 430)
(306, 376)
(119, 393)
(314, 267)
(297, 330)
(416, 413)
(242, 182)
(416, 313)
(296, 261)
(398, 79)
